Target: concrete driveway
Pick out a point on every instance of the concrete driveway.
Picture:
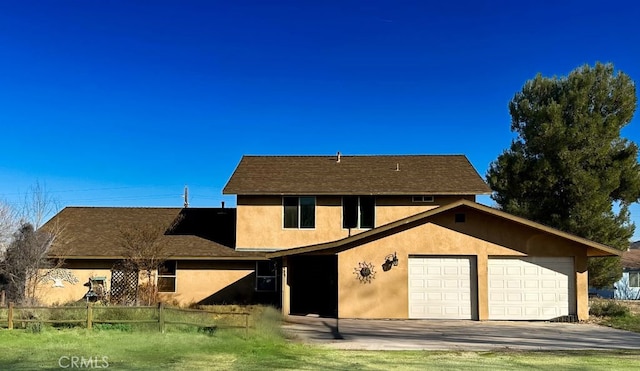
(455, 335)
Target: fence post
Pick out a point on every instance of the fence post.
(246, 324)
(89, 316)
(10, 318)
(161, 317)
(2, 298)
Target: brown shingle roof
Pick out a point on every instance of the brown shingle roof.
(631, 259)
(95, 232)
(375, 175)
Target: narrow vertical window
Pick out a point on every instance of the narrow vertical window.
(290, 212)
(358, 211)
(307, 212)
(634, 279)
(167, 276)
(367, 211)
(350, 212)
(266, 276)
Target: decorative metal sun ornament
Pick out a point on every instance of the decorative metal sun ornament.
(364, 272)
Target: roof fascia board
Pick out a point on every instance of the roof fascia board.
(257, 257)
(417, 193)
(415, 219)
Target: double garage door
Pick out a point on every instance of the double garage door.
(518, 288)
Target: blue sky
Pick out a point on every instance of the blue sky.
(122, 103)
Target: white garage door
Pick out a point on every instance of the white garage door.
(533, 288)
(440, 288)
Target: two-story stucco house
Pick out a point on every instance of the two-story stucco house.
(346, 236)
(402, 237)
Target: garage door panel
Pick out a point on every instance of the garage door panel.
(416, 283)
(514, 271)
(446, 285)
(513, 284)
(455, 297)
(419, 309)
(514, 297)
(532, 312)
(451, 284)
(542, 290)
(514, 311)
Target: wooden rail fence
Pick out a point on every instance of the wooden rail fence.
(162, 315)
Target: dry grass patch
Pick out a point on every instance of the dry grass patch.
(620, 314)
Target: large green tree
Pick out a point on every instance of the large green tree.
(569, 167)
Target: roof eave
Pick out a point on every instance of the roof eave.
(88, 257)
(307, 193)
(594, 249)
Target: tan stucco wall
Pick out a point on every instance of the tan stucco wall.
(82, 270)
(259, 223)
(195, 280)
(480, 237)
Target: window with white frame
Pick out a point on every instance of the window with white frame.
(299, 212)
(358, 211)
(167, 276)
(422, 198)
(266, 276)
(634, 279)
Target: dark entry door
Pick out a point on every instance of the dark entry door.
(313, 281)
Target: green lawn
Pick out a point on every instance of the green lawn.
(263, 350)
(125, 347)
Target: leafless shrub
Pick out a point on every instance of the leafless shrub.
(145, 249)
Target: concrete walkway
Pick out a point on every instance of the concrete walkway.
(456, 335)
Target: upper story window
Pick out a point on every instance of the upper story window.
(299, 212)
(358, 211)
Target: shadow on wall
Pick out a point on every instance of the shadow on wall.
(243, 292)
(214, 224)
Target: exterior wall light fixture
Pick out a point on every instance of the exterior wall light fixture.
(390, 261)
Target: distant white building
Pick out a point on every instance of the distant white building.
(628, 288)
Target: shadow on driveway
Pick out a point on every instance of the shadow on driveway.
(455, 335)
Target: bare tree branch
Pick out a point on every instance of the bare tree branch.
(145, 250)
(38, 205)
(8, 223)
(24, 260)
